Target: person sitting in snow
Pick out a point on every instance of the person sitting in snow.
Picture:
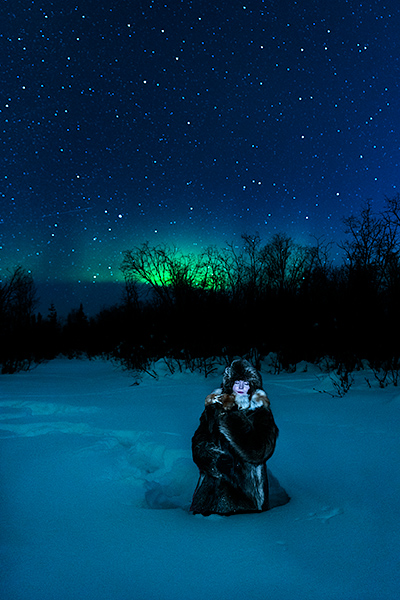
(236, 436)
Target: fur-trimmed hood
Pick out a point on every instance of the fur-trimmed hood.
(241, 370)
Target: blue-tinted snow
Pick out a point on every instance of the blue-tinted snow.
(85, 455)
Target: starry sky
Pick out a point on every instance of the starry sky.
(188, 123)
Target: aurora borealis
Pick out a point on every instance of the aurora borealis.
(189, 123)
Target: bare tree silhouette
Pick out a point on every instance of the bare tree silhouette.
(18, 300)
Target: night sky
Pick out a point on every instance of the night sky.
(189, 123)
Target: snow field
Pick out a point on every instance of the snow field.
(97, 477)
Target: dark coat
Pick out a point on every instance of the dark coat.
(231, 447)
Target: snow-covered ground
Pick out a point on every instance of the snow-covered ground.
(96, 476)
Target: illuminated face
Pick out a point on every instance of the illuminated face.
(241, 387)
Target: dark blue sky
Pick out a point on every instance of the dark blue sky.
(189, 123)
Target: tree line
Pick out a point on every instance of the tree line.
(260, 297)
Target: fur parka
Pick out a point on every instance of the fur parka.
(231, 446)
